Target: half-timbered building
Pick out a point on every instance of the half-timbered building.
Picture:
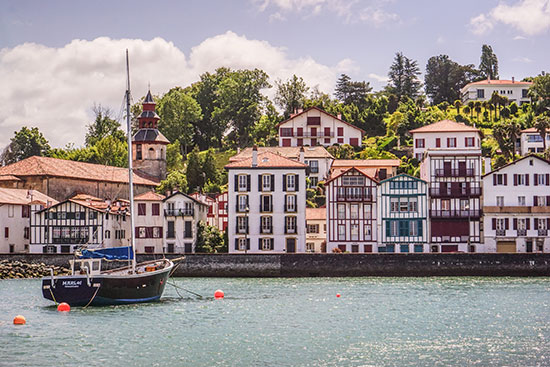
(351, 198)
(403, 214)
(516, 206)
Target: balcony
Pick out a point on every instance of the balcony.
(179, 212)
(455, 213)
(455, 172)
(318, 134)
(501, 232)
(516, 209)
(353, 198)
(542, 232)
(471, 192)
(522, 232)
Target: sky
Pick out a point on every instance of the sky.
(60, 58)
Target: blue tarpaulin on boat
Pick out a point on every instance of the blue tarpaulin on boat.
(111, 253)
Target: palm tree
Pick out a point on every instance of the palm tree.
(495, 100)
(478, 109)
(458, 104)
(471, 106)
(542, 124)
(500, 133)
(491, 109)
(514, 131)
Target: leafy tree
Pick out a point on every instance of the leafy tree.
(174, 159)
(540, 93)
(26, 143)
(488, 65)
(194, 173)
(542, 124)
(112, 152)
(209, 170)
(458, 104)
(403, 76)
(209, 239)
(103, 126)
(344, 151)
(212, 187)
(444, 78)
(265, 131)
(179, 113)
(321, 100)
(514, 108)
(290, 95)
(350, 92)
(175, 181)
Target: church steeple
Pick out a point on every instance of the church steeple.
(148, 118)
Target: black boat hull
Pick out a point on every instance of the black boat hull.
(100, 290)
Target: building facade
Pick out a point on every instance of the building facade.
(379, 169)
(516, 206)
(316, 230)
(351, 212)
(313, 126)
(531, 141)
(182, 214)
(149, 223)
(483, 90)
(266, 204)
(403, 215)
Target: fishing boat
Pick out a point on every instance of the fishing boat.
(89, 285)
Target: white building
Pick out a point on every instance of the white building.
(16, 208)
(531, 141)
(267, 204)
(516, 206)
(483, 90)
(78, 221)
(149, 223)
(445, 135)
(314, 126)
(317, 158)
(182, 214)
(316, 230)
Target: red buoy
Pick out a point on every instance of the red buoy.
(337, 295)
(219, 294)
(19, 320)
(63, 307)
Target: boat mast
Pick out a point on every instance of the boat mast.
(130, 170)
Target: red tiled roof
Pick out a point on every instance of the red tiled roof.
(498, 82)
(322, 111)
(9, 178)
(45, 166)
(287, 152)
(150, 196)
(444, 126)
(316, 213)
(530, 130)
(267, 160)
(363, 172)
(366, 163)
(23, 197)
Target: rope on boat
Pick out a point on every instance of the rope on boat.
(93, 296)
(53, 296)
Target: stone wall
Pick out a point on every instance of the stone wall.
(333, 265)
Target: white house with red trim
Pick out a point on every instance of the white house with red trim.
(516, 206)
(351, 212)
(483, 90)
(149, 223)
(314, 126)
(266, 204)
(531, 141)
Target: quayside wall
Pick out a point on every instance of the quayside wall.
(339, 265)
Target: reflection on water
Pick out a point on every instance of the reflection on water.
(290, 322)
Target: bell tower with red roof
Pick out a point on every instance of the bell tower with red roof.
(148, 143)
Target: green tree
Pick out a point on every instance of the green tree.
(25, 143)
(175, 181)
(488, 65)
(209, 239)
(403, 77)
(458, 104)
(194, 173)
(179, 114)
(174, 159)
(103, 126)
(265, 131)
(290, 95)
(112, 152)
(444, 78)
(351, 92)
(540, 93)
(209, 167)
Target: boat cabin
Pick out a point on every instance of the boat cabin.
(85, 266)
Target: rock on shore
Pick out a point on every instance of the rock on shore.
(17, 269)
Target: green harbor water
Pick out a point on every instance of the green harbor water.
(290, 322)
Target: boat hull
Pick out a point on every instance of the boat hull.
(105, 289)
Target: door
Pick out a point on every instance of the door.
(290, 245)
(462, 169)
(327, 131)
(188, 248)
(313, 132)
(506, 246)
(447, 169)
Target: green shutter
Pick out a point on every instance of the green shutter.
(420, 228)
(388, 228)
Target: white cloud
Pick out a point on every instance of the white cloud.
(378, 78)
(519, 38)
(531, 17)
(55, 88)
(368, 11)
(524, 60)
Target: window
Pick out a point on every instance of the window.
(242, 224)
(394, 205)
(445, 204)
(367, 210)
(242, 203)
(120, 234)
(367, 232)
(170, 230)
(500, 200)
(394, 228)
(242, 182)
(290, 224)
(266, 244)
(138, 152)
(469, 142)
(413, 228)
(313, 182)
(521, 200)
(341, 232)
(341, 211)
(500, 179)
(314, 166)
(26, 233)
(25, 211)
(312, 228)
(438, 142)
(107, 234)
(142, 209)
(266, 183)
(340, 133)
(310, 247)
(266, 203)
(541, 223)
(500, 224)
(266, 224)
(354, 211)
(354, 231)
(157, 232)
(290, 182)
(539, 200)
(420, 143)
(155, 209)
(290, 203)
(524, 93)
(286, 131)
(10, 211)
(480, 93)
(521, 180)
(541, 179)
(534, 138)
(451, 142)
(353, 181)
(142, 232)
(243, 243)
(522, 224)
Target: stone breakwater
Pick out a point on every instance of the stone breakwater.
(18, 269)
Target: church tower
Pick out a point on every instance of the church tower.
(148, 143)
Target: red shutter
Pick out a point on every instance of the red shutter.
(494, 223)
(437, 142)
(515, 223)
(494, 180)
(535, 178)
(340, 131)
(515, 179)
(527, 180)
(547, 223)
(527, 223)
(548, 201)
(6, 232)
(465, 142)
(535, 201)
(137, 232)
(505, 179)
(548, 179)
(535, 224)
(506, 223)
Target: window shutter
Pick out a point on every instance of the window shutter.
(247, 182)
(535, 178)
(547, 223)
(416, 143)
(246, 221)
(247, 205)
(286, 198)
(388, 228)
(137, 232)
(494, 223)
(535, 201)
(515, 223)
(437, 142)
(506, 223)
(236, 183)
(259, 183)
(527, 223)
(297, 182)
(535, 224)
(547, 200)
(515, 179)
(272, 182)
(527, 180)
(237, 205)
(420, 228)
(271, 244)
(494, 180)
(548, 179)
(259, 243)
(236, 243)
(505, 179)
(248, 243)
(284, 182)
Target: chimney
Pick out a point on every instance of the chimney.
(238, 150)
(487, 165)
(513, 79)
(255, 156)
(301, 154)
(339, 116)
(300, 110)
